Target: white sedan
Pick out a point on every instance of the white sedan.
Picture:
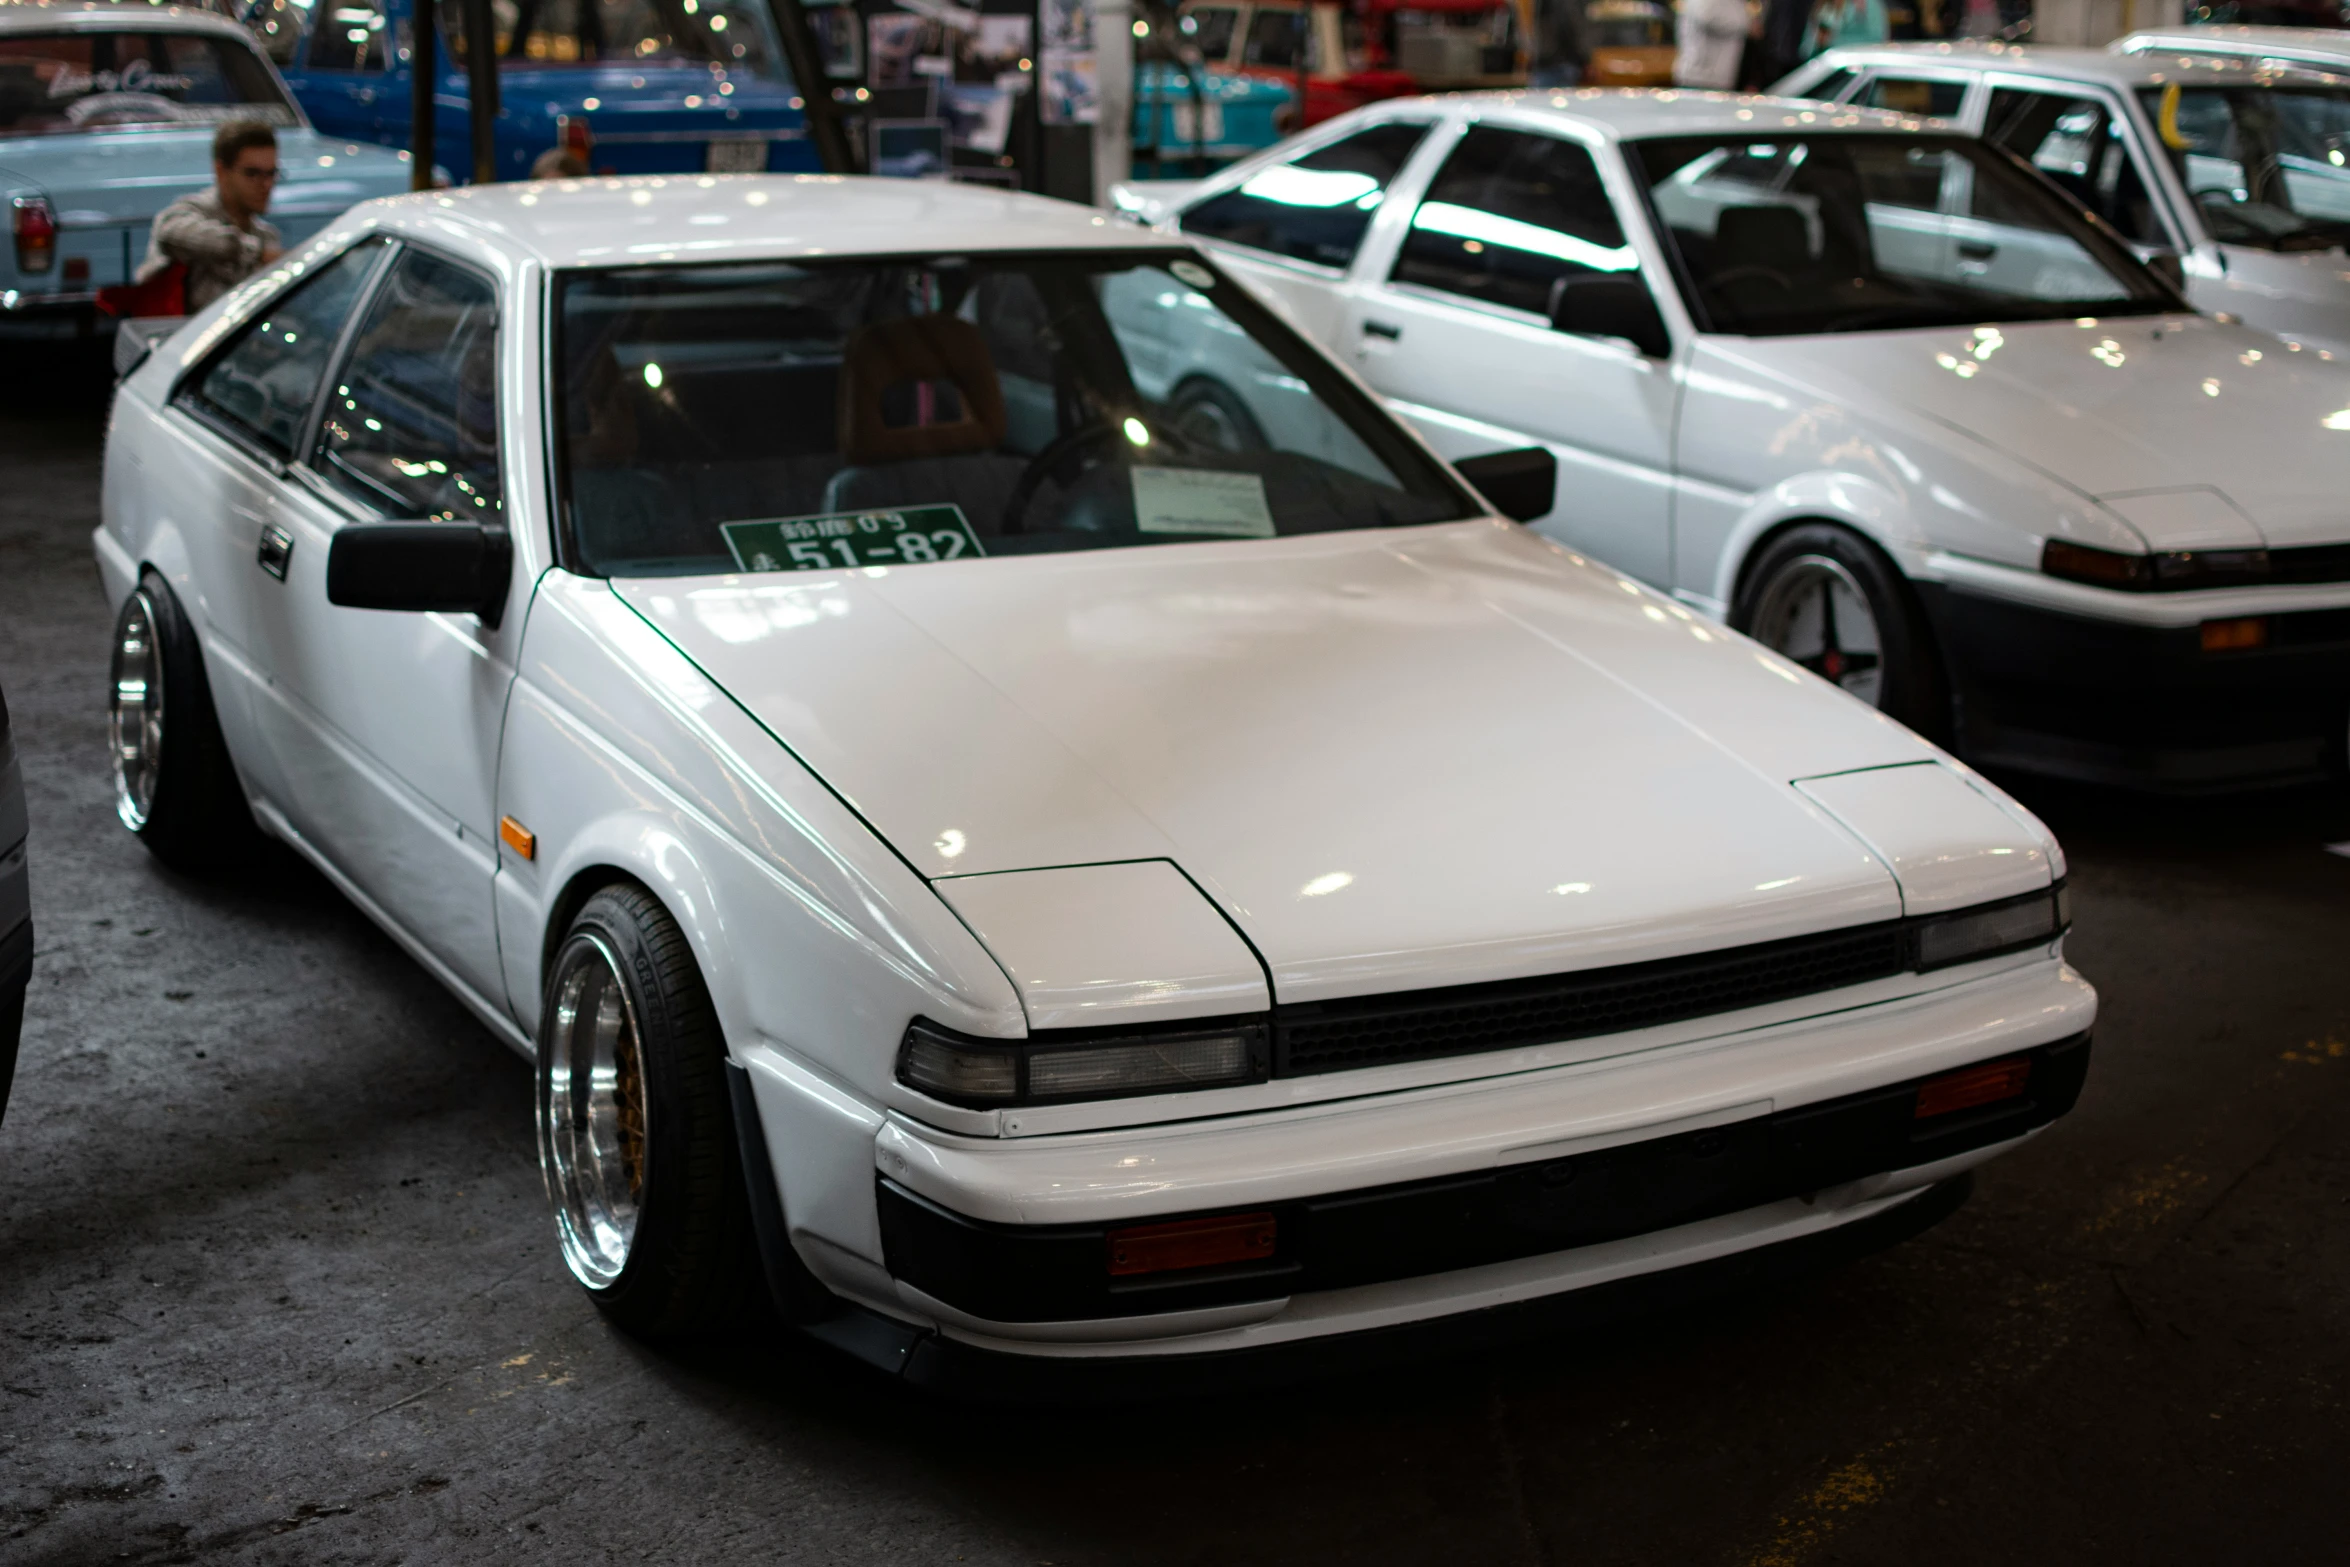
(1870, 390)
(1047, 888)
(2225, 168)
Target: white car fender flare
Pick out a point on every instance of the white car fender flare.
(647, 848)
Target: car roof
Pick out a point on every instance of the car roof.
(2236, 37)
(665, 219)
(2144, 69)
(88, 16)
(1626, 112)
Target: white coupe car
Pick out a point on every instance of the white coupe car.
(1871, 391)
(1074, 893)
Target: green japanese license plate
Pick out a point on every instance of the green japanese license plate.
(834, 540)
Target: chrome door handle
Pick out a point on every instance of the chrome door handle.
(1382, 329)
(277, 549)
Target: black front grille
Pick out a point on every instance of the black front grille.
(2310, 563)
(1339, 1036)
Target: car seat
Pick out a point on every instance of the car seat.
(898, 452)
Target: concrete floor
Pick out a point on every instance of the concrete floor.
(277, 1283)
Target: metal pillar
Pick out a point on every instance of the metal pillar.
(481, 87)
(1113, 64)
(825, 130)
(424, 68)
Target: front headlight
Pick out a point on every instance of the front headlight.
(1062, 1064)
(1991, 928)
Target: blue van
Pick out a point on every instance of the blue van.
(659, 86)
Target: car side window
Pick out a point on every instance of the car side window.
(348, 35)
(2077, 143)
(1830, 87)
(1509, 215)
(412, 423)
(265, 382)
(1915, 95)
(1315, 208)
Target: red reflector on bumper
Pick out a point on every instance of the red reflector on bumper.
(1977, 1085)
(1191, 1243)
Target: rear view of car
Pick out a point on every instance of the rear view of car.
(633, 89)
(107, 114)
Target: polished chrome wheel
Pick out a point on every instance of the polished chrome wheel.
(592, 1125)
(1813, 610)
(134, 711)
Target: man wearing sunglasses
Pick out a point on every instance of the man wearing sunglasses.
(219, 235)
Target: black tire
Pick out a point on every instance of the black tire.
(687, 1265)
(1212, 416)
(1799, 595)
(175, 785)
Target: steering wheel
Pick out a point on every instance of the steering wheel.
(1067, 456)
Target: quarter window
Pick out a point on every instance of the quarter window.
(266, 382)
(1315, 208)
(412, 423)
(2076, 142)
(1915, 95)
(1510, 215)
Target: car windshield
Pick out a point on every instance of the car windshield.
(52, 83)
(1844, 233)
(821, 414)
(734, 34)
(2263, 164)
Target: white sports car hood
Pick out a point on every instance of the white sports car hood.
(1393, 759)
(2118, 408)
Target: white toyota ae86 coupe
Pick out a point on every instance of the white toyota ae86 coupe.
(1018, 811)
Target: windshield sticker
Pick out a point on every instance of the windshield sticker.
(1198, 500)
(835, 541)
(1193, 273)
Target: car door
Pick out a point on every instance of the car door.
(2078, 139)
(244, 413)
(387, 723)
(1455, 332)
(1292, 228)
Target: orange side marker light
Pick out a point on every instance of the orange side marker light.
(517, 837)
(1976, 1085)
(2234, 636)
(1192, 1243)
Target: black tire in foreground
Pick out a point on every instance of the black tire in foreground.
(636, 1136)
(1829, 600)
(174, 784)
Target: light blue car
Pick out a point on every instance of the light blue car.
(107, 113)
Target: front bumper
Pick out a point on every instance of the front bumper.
(1668, 1130)
(958, 1367)
(1007, 1274)
(2142, 705)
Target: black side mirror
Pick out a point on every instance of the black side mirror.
(1611, 304)
(453, 567)
(2169, 266)
(1521, 485)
